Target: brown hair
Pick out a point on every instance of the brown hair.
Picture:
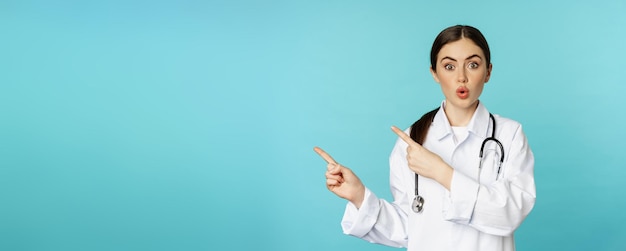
(419, 129)
(456, 33)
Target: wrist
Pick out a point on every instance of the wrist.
(445, 176)
(359, 197)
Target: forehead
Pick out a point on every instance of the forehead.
(460, 49)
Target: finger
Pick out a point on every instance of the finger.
(406, 138)
(333, 168)
(331, 182)
(339, 179)
(324, 155)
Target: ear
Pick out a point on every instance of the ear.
(488, 73)
(434, 73)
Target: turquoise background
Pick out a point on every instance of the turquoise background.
(189, 125)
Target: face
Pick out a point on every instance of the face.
(462, 72)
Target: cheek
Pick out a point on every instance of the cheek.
(447, 79)
(448, 86)
(480, 77)
(478, 90)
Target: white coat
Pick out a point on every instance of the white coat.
(471, 216)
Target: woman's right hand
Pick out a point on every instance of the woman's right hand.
(342, 181)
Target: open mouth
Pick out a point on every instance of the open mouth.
(462, 92)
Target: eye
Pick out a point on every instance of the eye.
(448, 67)
(472, 65)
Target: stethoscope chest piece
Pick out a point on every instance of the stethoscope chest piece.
(418, 204)
(418, 201)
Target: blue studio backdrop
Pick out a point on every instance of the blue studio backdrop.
(189, 125)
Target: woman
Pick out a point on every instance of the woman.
(446, 197)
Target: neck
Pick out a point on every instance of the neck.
(459, 116)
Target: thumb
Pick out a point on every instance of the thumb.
(347, 173)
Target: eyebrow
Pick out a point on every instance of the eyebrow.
(472, 56)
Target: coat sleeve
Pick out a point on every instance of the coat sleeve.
(499, 207)
(379, 221)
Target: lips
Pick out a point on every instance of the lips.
(462, 92)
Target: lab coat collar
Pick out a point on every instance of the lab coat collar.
(478, 125)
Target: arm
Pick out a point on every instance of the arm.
(377, 220)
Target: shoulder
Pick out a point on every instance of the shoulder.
(506, 122)
(507, 127)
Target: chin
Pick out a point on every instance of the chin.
(467, 103)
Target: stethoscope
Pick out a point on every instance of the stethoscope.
(418, 202)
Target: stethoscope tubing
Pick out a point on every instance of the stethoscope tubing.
(418, 202)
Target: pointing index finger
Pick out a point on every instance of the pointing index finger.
(406, 138)
(324, 155)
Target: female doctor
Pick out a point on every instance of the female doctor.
(461, 178)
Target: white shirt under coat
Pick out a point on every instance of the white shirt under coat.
(471, 216)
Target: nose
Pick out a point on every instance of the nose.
(462, 76)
